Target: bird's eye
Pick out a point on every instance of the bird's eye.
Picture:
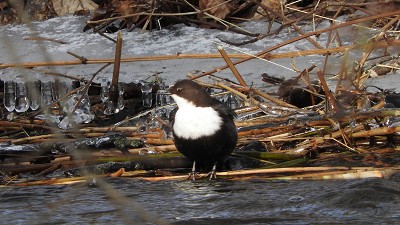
(179, 90)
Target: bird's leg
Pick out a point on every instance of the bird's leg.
(193, 174)
(213, 172)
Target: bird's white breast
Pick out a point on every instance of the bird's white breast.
(193, 122)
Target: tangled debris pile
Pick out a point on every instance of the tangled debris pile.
(346, 131)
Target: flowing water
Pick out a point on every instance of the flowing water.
(132, 201)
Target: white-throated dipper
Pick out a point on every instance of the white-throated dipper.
(203, 127)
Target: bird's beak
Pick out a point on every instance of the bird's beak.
(171, 90)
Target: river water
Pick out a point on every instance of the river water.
(133, 201)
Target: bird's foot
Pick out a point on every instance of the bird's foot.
(193, 176)
(213, 173)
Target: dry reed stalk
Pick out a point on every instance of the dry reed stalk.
(123, 60)
(75, 180)
(224, 23)
(51, 140)
(261, 106)
(305, 76)
(376, 132)
(254, 122)
(62, 158)
(237, 93)
(161, 148)
(38, 137)
(23, 125)
(342, 74)
(361, 20)
(336, 126)
(231, 66)
(61, 181)
(385, 173)
(305, 147)
(108, 129)
(291, 170)
(148, 20)
(37, 38)
(49, 170)
(261, 172)
(9, 131)
(98, 30)
(371, 45)
(329, 96)
(114, 92)
(246, 109)
(273, 99)
(303, 53)
(119, 173)
(284, 19)
(83, 59)
(156, 135)
(154, 141)
(136, 173)
(268, 131)
(268, 56)
(52, 73)
(92, 160)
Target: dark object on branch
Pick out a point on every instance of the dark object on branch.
(271, 80)
(393, 99)
(300, 96)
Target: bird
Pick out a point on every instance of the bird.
(203, 127)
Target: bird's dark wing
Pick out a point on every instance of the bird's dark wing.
(172, 116)
(224, 109)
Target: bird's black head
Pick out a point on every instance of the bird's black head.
(192, 92)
